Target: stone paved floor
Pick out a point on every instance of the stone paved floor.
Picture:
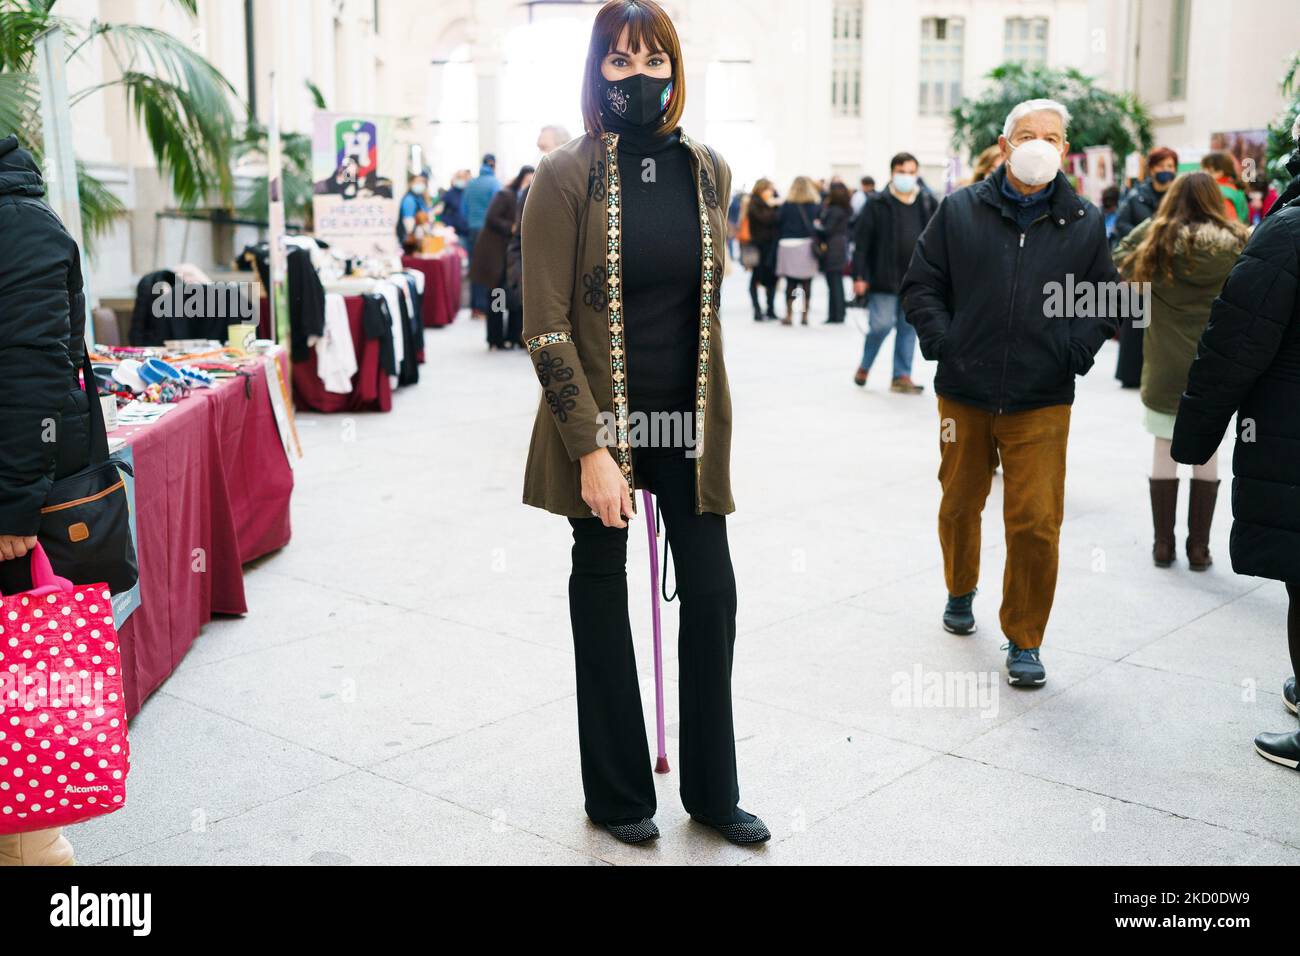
(401, 690)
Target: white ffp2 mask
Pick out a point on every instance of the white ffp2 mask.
(1035, 163)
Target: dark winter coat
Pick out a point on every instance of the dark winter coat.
(875, 244)
(43, 411)
(487, 263)
(762, 221)
(978, 292)
(1248, 363)
(835, 232)
(1138, 206)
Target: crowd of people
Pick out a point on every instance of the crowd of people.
(485, 216)
(966, 276)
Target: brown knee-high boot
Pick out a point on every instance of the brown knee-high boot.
(1200, 515)
(1164, 512)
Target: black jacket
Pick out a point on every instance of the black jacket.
(1248, 363)
(835, 232)
(1138, 206)
(875, 242)
(42, 321)
(977, 290)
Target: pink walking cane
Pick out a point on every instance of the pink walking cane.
(661, 762)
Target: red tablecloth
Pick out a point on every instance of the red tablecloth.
(442, 278)
(212, 489)
(371, 389)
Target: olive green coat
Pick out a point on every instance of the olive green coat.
(573, 324)
(1180, 307)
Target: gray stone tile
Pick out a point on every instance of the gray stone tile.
(355, 819)
(1177, 743)
(792, 769)
(363, 695)
(953, 811)
(190, 766)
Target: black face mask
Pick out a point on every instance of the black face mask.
(637, 100)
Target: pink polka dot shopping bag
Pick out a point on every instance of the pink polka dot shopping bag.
(64, 756)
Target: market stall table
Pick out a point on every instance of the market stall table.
(212, 490)
(442, 281)
(371, 389)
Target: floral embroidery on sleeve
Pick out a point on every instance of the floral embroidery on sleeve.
(563, 401)
(552, 368)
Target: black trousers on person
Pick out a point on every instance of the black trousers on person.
(617, 775)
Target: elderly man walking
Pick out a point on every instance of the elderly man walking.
(986, 291)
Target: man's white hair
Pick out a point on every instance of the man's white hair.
(1021, 110)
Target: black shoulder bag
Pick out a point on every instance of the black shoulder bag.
(85, 524)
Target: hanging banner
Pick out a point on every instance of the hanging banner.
(354, 160)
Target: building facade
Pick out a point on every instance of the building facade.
(779, 87)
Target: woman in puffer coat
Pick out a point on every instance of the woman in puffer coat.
(1248, 363)
(1186, 252)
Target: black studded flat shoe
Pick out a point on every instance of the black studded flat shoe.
(637, 832)
(744, 830)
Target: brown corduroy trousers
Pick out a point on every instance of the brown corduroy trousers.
(1031, 446)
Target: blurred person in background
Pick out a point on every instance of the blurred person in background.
(1110, 208)
(487, 264)
(415, 206)
(987, 161)
(796, 258)
(833, 230)
(1138, 205)
(1223, 168)
(477, 199)
(1248, 365)
(866, 190)
(761, 212)
(1185, 251)
(886, 235)
(453, 199)
(549, 139)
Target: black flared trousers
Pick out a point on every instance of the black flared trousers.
(617, 776)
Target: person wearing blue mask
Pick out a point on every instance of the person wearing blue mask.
(1136, 208)
(886, 234)
(415, 201)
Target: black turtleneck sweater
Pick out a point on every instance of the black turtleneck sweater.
(660, 269)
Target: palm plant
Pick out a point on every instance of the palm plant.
(251, 147)
(1097, 117)
(180, 100)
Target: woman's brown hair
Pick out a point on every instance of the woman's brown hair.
(1192, 202)
(648, 26)
(1221, 163)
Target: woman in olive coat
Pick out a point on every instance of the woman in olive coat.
(623, 244)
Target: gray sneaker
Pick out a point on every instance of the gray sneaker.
(1024, 669)
(959, 615)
